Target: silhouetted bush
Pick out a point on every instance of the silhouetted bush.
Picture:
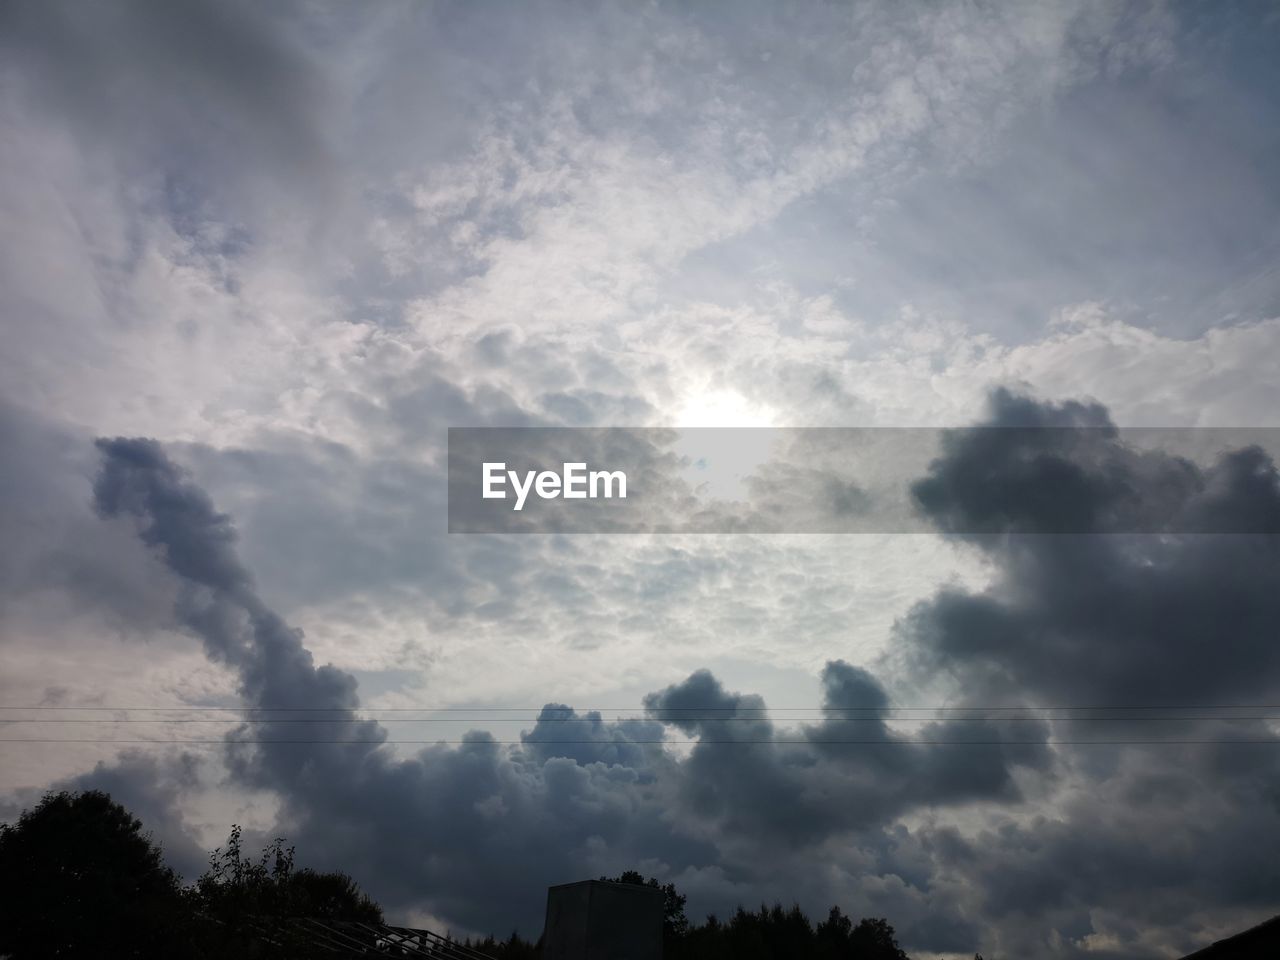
(240, 903)
(235, 885)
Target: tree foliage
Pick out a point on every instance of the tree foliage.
(513, 948)
(771, 933)
(79, 878)
(270, 886)
(775, 932)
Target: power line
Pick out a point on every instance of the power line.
(668, 719)
(625, 709)
(821, 741)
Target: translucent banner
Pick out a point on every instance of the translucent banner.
(973, 480)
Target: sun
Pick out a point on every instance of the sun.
(722, 408)
(724, 439)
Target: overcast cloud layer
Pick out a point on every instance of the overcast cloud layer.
(254, 260)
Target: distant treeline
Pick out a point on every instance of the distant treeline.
(770, 933)
(79, 878)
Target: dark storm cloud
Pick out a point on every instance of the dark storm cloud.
(1119, 621)
(1106, 618)
(1041, 468)
(219, 602)
(561, 731)
(849, 772)
(461, 830)
(1160, 873)
(474, 832)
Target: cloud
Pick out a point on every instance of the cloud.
(1116, 619)
(449, 819)
(1120, 629)
(1095, 615)
(849, 772)
(155, 790)
(295, 244)
(1067, 469)
(213, 93)
(580, 794)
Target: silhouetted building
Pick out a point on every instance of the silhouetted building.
(600, 920)
(1253, 944)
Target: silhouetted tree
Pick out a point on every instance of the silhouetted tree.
(236, 885)
(778, 933)
(513, 948)
(874, 939)
(832, 936)
(79, 878)
(240, 902)
(330, 896)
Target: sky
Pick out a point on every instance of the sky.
(256, 259)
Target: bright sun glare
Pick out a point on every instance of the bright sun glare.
(723, 408)
(719, 460)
